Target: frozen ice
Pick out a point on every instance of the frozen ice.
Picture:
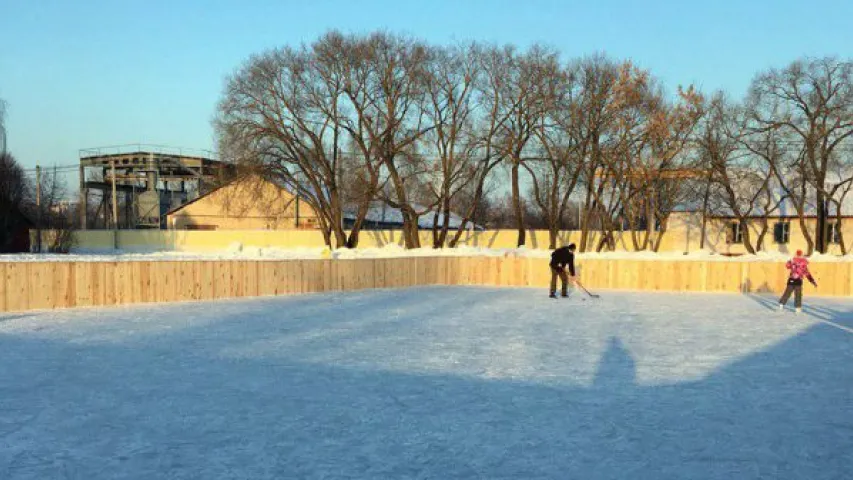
(437, 382)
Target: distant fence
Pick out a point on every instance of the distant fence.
(49, 285)
(222, 240)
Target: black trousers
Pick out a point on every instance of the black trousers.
(797, 290)
(564, 279)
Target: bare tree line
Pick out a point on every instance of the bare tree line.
(2, 127)
(350, 120)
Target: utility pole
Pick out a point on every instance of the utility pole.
(115, 205)
(38, 207)
(84, 194)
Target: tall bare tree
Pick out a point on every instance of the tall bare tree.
(556, 170)
(451, 107)
(489, 119)
(668, 165)
(388, 97)
(284, 114)
(2, 127)
(524, 99)
(14, 189)
(810, 104)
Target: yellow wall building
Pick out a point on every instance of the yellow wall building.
(250, 203)
(256, 212)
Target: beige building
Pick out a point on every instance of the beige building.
(248, 203)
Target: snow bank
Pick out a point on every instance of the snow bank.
(238, 251)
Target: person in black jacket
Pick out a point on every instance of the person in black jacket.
(561, 258)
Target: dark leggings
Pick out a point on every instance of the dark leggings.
(564, 279)
(797, 290)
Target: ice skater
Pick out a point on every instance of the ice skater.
(798, 268)
(561, 258)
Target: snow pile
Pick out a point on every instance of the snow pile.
(239, 251)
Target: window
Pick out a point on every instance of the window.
(735, 233)
(782, 232)
(194, 226)
(638, 225)
(833, 232)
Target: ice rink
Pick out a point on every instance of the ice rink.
(437, 382)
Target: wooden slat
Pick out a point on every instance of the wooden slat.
(42, 285)
(110, 284)
(266, 273)
(206, 274)
(222, 282)
(17, 293)
(63, 285)
(3, 282)
(83, 284)
(146, 287)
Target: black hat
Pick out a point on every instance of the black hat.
(571, 246)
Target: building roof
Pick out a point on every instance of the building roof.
(381, 212)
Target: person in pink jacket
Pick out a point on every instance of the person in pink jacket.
(798, 269)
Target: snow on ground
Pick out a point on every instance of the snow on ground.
(241, 252)
(430, 383)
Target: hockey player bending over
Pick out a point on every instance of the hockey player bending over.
(561, 258)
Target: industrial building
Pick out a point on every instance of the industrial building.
(134, 186)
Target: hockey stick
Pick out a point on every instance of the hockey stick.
(591, 295)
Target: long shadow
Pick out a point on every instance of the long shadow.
(143, 409)
(839, 318)
(9, 317)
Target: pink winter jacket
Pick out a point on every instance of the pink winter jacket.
(799, 269)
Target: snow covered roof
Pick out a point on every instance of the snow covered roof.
(381, 212)
(785, 208)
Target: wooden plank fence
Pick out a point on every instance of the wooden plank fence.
(50, 285)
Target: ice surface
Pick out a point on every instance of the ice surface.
(435, 382)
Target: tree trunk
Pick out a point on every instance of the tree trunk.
(759, 243)
(553, 234)
(820, 228)
(516, 204)
(747, 240)
(659, 237)
(807, 235)
(702, 231)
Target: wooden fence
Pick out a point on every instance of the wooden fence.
(49, 285)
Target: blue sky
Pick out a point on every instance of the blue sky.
(79, 74)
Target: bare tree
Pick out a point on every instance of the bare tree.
(13, 194)
(608, 88)
(489, 120)
(53, 213)
(556, 171)
(524, 99)
(2, 127)
(283, 115)
(387, 95)
(451, 107)
(668, 165)
(810, 105)
(841, 183)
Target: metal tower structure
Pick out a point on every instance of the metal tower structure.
(152, 180)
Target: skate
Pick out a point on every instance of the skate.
(552, 295)
(781, 307)
(798, 310)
